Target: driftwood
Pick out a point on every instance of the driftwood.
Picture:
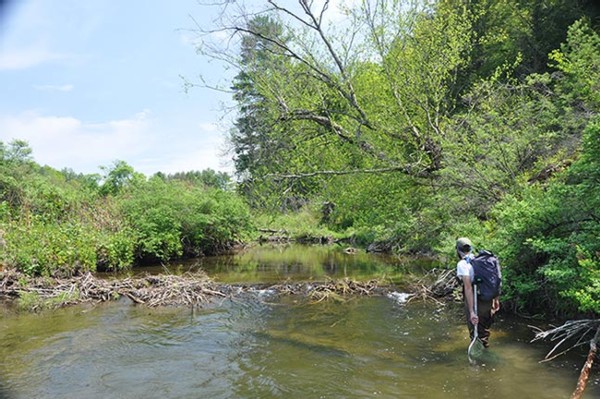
(573, 334)
(585, 371)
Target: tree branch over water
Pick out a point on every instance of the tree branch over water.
(306, 64)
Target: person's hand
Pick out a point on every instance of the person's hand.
(474, 318)
(495, 305)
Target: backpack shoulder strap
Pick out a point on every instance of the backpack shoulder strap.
(485, 252)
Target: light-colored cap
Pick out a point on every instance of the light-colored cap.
(464, 245)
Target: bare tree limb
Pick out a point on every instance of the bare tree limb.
(569, 331)
(407, 169)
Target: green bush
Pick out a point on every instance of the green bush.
(38, 247)
(171, 219)
(549, 237)
(60, 223)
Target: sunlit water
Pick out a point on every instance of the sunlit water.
(265, 346)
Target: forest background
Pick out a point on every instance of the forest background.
(402, 126)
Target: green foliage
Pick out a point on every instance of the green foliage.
(548, 231)
(172, 219)
(150, 210)
(38, 247)
(550, 237)
(119, 177)
(116, 249)
(510, 29)
(579, 58)
(16, 152)
(205, 178)
(32, 301)
(437, 120)
(61, 223)
(301, 224)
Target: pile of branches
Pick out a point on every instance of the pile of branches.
(436, 284)
(188, 289)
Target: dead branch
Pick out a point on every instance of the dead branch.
(437, 283)
(574, 330)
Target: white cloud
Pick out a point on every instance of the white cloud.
(140, 140)
(201, 151)
(63, 88)
(28, 58)
(62, 141)
(199, 159)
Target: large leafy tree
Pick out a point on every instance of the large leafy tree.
(325, 99)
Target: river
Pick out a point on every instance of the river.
(261, 345)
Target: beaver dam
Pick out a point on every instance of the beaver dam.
(194, 289)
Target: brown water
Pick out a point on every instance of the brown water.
(264, 346)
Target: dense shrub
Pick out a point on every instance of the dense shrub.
(549, 237)
(173, 218)
(59, 223)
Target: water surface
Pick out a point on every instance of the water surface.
(265, 346)
(273, 264)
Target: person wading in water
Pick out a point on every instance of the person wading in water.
(486, 308)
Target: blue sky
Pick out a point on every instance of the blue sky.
(89, 82)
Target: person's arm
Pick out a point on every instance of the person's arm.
(469, 298)
(496, 300)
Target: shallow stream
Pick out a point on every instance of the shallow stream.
(265, 346)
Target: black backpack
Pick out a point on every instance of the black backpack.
(487, 274)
